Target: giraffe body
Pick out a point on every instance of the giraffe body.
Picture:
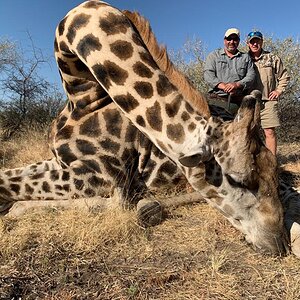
(129, 125)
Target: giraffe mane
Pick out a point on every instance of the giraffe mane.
(161, 57)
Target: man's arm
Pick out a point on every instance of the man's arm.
(210, 71)
(248, 81)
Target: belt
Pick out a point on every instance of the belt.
(233, 99)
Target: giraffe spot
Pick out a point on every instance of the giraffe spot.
(37, 176)
(144, 89)
(64, 49)
(90, 127)
(13, 179)
(56, 50)
(83, 102)
(114, 24)
(122, 49)
(85, 147)
(110, 146)
(80, 66)
(54, 175)
(28, 189)
(8, 173)
(112, 166)
(185, 116)
(192, 127)
(168, 168)
(88, 44)
(63, 66)
(89, 192)
(79, 184)
(173, 107)
(131, 134)
(61, 26)
(137, 39)
(94, 4)
(141, 121)
(15, 188)
(96, 181)
(209, 130)
(65, 133)
(113, 122)
(156, 152)
(163, 86)
(153, 115)
(92, 165)
(162, 146)
(79, 86)
(148, 59)
(46, 187)
(175, 132)
(225, 146)
(189, 108)
(61, 122)
(65, 176)
(126, 102)
(115, 73)
(4, 191)
(82, 170)
(102, 76)
(77, 23)
(65, 153)
(142, 70)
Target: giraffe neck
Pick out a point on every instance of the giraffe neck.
(108, 44)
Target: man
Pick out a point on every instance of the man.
(229, 73)
(271, 80)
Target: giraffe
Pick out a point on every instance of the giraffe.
(111, 78)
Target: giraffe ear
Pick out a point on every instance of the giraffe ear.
(190, 161)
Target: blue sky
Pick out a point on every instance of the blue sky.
(172, 21)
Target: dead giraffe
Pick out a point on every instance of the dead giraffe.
(103, 58)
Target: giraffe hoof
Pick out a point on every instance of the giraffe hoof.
(5, 207)
(149, 213)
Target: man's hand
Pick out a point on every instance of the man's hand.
(274, 95)
(231, 87)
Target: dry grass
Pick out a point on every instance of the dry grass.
(194, 254)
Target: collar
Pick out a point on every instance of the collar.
(222, 52)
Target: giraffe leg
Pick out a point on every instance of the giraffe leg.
(151, 212)
(290, 199)
(31, 169)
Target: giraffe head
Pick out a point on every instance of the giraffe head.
(246, 192)
(245, 187)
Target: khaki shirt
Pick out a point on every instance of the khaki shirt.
(271, 74)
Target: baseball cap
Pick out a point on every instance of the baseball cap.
(254, 34)
(231, 31)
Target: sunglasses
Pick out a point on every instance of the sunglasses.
(232, 38)
(256, 34)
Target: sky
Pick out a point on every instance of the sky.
(173, 21)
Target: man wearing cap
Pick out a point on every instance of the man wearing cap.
(229, 73)
(271, 79)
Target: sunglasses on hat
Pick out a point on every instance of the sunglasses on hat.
(255, 34)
